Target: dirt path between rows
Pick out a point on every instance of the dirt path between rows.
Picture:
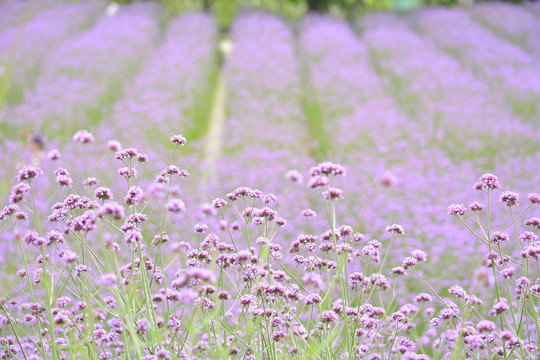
(217, 119)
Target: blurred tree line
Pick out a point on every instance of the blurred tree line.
(301, 6)
(224, 10)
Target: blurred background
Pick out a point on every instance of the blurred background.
(224, 10)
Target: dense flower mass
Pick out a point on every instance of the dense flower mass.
(323, 285)
(122, 239)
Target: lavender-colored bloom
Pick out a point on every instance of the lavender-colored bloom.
(499, 308)
(54, 154)
(103, 193)
(313, 279)
(509, 198)
(450, 335)
(419, 255)
(329, 317)
(508, 69)
(498, 237)
(83, 136)
(456, 209)
(176, 206)
(534, 198)
(395, 228)
(486, 326)
(218, 203)
(108, 280)
(489, 181)
(134, 195)
(29, 172)
(476, 206)
(294, 175)
(178, 139)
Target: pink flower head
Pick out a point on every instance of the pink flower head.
(29, 172)
(294, 176)
(476, 206)
(329, 317)
(456, 209)
(395, 228)
(419, 255)
(104, 193)
(313, 279)
(498, 237)
(83, 137)
(534, 198)
(108, 280)
(114, 145)
(318, 181)
(327, 168)
(178, 139)
(534, 222)
(389, 179)
(509, 198)
(53, 154)
(176, 206)
(333, 194)
(489, 181)
(218, 203)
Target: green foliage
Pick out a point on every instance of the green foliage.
(224, 10)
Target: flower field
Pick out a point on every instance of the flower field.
(308, 189)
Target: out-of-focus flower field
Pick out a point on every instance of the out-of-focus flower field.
(173, 190)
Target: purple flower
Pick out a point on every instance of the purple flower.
(497, 237)
(419, 255)
(329, 317)
(395, 228)
(499, 308)
(489, 181)
(333, 193)
(63, 301)
(134, 195)
(113, 209)
(108, 279)
(83, 136)
(313, 279)
(114, 145)
(64, 180)
(534, 198)
(53, 154)
(247, 300)
(178, 139)
(450, 335)
(218, 203)
(318, 181)
(389, 179)
(327, 168)
(423, 297)
(508, 272)
(17, 192)
(456, 209)
(509, 198)
(176, 206)
(103, 193)
(294, 176)
(476, 206)
(29, 172)
(486, 326)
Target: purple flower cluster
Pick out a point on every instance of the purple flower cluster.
(45, 32)
(514, 23)
(510, 71)
(81, 77)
